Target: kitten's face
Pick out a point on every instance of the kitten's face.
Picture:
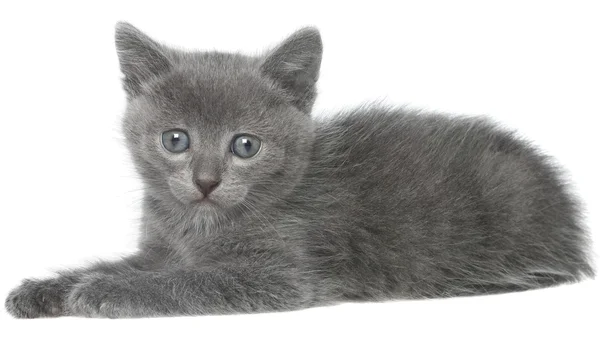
(216, 133)
(212, 112)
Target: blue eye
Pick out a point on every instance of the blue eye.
(245, 146)
(175, 141)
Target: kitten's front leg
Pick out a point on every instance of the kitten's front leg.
(40, 298)
(47, 297)
(184, 292)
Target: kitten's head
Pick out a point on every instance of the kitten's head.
(216, 132)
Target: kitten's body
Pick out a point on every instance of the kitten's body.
(373, 204)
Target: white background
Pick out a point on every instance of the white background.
(70, 195)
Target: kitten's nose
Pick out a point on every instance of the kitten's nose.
(207, 185)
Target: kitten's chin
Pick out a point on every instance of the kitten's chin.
(205, 203)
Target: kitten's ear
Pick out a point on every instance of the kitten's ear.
(295, 65)
(140, 57)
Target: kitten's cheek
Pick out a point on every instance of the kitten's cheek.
(230, 197)
(183, 193)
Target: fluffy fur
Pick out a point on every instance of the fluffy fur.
(373, 204)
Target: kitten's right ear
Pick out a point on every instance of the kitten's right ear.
(295, 64)
(140, 57)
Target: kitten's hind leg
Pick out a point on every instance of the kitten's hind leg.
(533, 279)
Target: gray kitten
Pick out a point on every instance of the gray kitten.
(250, 205)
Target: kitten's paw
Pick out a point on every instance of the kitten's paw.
(101, 296)
(37, 298)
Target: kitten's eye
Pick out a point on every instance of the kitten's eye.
(245, 146)
(175, 141)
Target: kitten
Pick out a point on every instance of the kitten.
(253, 206)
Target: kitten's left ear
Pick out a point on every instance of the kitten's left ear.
(140, 57)
(295, 65)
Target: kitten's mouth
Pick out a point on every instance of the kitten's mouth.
(205, 202)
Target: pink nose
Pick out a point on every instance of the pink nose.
(206, 186)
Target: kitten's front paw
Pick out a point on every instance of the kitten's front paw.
(102, 296)
(37, 298)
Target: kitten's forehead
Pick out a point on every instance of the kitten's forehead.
(214, 88)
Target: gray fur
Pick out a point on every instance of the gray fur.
(373, 204)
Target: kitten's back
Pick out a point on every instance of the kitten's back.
(442, 205)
